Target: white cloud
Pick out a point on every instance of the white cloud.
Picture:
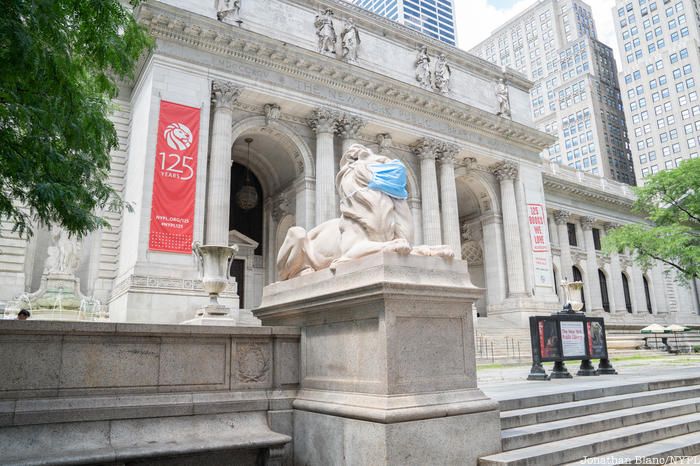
(477, 19)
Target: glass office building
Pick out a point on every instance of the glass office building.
(432, 17)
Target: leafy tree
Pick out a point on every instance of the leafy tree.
(670, 200)
(61, 61)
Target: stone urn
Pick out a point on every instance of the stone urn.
(214, 265)
(573, 292)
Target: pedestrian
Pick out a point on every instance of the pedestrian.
(23, 315)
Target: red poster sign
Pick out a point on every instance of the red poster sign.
(174, 179)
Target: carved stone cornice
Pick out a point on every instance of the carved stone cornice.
(170, 24)
(426, 148)
(584, 191)
(587, 223)
(323, 120)
(561, 217)
(349, 126)
(505, 171)
(225, 94)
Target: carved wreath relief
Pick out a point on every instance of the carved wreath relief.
(435, 78)
(253, 362)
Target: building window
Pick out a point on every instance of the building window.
(626, 291)
(596, 238)
(579, 278)
(604, 290)
(571, 229)
(647, 295)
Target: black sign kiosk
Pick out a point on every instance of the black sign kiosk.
(568, 337)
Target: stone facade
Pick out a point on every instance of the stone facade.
(469, 169)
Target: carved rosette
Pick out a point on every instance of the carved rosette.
(505, 171)
(225, 94)
(272, 112)
(384, 141)
(349, 126)
(561, 217)
(587, 223)
(323, 120)
(425, 148)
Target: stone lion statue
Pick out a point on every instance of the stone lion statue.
(374, 216)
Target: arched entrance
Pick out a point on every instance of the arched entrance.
(482, 244)
(278, 168)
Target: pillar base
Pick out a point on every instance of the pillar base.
(388, 366)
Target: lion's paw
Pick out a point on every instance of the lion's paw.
(439, 251)
(399, 246)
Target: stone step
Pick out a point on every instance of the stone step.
(521, 437)
(596, 444)
(683, 446)
(586, 394)
(555, 412)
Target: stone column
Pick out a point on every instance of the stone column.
(348, 128)
(219, 179)
(561, 217)
(596, 301)
(323, 122)
(615, 289)
(448, 199)
(494, 266)
(528, 266)
(506, 173)
(425, 149)
(416, 213)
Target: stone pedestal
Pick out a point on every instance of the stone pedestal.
(387, 363)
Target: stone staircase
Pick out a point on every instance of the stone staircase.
(613, 424)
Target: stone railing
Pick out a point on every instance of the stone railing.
(141, 391)
(565, 174)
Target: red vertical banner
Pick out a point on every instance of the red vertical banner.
(174, 179)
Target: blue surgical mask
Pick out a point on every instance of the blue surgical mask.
(389, 178)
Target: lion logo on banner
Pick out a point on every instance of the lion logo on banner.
(178, 136)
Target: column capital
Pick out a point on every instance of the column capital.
(323, 120)
(225, 94)
(447, 153)
(561, 217)
(587, 223)
(505, 171)
(425, 148)
(609, 226)
(348, 126)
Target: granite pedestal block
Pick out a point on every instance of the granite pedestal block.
(387, 363)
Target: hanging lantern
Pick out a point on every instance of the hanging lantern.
(247, 196)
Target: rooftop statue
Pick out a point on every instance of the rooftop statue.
(374, 217)
(325, 31)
